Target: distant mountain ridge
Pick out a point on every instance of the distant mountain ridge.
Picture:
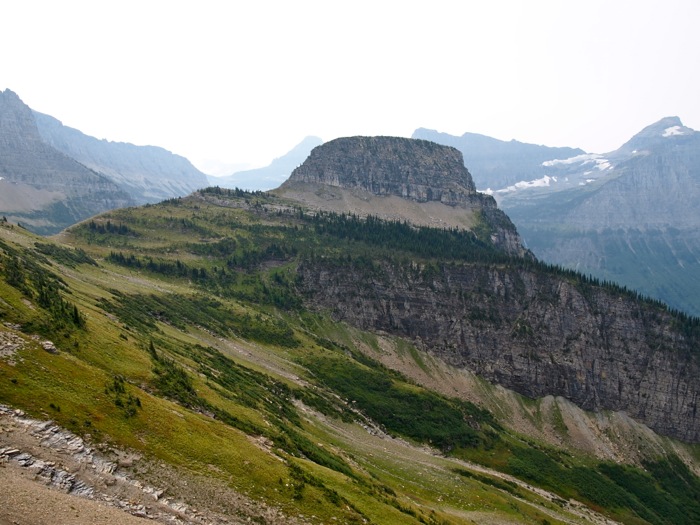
(147, 173)
(40, 187)
(271, 176)
(53, 176)
(495, 163)
(629, 216)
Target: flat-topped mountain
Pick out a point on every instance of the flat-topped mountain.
(535, 333)
(416, 169)
(398, 179)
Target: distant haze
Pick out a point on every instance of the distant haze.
(239, 84)
(218, 168)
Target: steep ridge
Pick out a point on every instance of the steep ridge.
(41, 187)
(146, 173)
(537, 333)
(398, 179)
(213, 409)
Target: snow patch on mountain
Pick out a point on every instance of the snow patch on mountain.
(545, 181)
(582, 159)
(600, 162)
(673, 131)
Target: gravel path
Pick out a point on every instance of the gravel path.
(27, 502)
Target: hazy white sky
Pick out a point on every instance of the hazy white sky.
(234, 83)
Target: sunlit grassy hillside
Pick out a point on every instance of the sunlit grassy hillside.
(181, 336)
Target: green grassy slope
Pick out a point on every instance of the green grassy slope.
(181, 336)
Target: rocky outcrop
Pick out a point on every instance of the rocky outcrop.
(40, 186)
(531, 331)
(9, 344)
(146, 173)
(61, 461)
(413, 169)
(415, 180)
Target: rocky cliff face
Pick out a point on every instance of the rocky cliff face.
(534, 332)
(40, 186)
(414, 169)
(147, 173)
(415, 180)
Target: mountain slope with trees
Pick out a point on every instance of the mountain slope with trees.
(245, 357)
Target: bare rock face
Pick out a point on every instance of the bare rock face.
(533, 332)
(435, 187)
(413, 169)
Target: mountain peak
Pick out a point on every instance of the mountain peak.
(272, 175)
(310, 140)
(656, 134)
(41, 186)
(8, 94)
(666, 127)
(301, 150)
(668, 121)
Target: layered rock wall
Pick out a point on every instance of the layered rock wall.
(414, 169)
(533, 332)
